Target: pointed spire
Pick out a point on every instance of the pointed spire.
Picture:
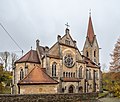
(90, 31)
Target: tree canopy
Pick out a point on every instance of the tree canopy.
(5, 79)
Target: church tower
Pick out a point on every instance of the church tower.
(91, 47)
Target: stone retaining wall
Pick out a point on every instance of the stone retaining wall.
(49, 97)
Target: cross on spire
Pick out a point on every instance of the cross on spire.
(67, 25)
(89, 12)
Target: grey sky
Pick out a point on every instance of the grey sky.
(28, 20)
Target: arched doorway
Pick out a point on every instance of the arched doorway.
(71, 89)
(80, 89)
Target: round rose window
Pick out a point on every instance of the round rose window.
(68, 61)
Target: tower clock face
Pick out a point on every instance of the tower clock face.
(68, 61)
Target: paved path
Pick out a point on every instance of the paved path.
(109, 99)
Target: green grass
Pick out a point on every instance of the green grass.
(104, 94)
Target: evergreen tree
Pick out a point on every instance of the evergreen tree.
(115, 64)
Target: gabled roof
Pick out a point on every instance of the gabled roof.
(90, 31)
(37, 76)
(31, 56)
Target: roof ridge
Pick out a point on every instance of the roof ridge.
(23, 56)
(30, 54)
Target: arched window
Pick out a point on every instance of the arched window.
(26, 69)
(95, 53)
(96, 74)
(73, 74)
(80, 72)
(63, 74)
(95, 60)
(87, 74)
(54, 69)
(67, 42)
(66, 74)
(90, 74)
(21, 74)
(87, 54)
(69, 74)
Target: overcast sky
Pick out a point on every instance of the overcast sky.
(28, 20)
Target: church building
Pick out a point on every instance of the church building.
(61, 68)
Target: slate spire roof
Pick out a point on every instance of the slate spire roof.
(90, 31)
(37, 76)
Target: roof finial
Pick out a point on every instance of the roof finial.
(89, 12)
(67, 30)
(22, 52)
(67, 25)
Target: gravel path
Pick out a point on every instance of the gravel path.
(109, 99)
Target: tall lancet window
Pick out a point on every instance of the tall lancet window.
(26, 69)
(54, 69)
(87, 54)
(21, 74)
(80, 72)
(96, 75)
(67, 42)
(87, 74)
(95, 53)
(90, 77)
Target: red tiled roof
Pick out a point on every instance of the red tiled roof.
(31, 56)
(90, 32)
(37, 76)
(71, 79)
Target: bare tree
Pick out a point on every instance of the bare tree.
(5, 55)
(115, 64)
(13, 58)
(9, 59)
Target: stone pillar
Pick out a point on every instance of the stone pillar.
(58, 38)
(37, 42)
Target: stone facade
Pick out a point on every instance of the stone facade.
(63, 63)
(37, 89)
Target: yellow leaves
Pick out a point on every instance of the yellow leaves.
(111, 82)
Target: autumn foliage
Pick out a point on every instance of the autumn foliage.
(111, 82)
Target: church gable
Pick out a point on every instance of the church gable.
(67, 39)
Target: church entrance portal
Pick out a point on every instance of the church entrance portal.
(71, 89)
